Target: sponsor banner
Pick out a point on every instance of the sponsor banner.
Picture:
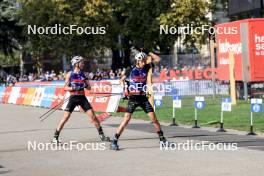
(246, 42)
(57, 84)
(58, 97)
(114, 100)
(7, 94)
(37, 97)
(14, 95)
(192, 74)
(21, 96)
(29, 96)
(107, 99)
(257, 50)
(113, 103)
(230, 42)
(47, 98)
(40, 84)
(2, 93)
(99, 102)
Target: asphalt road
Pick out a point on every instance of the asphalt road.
(140, 152)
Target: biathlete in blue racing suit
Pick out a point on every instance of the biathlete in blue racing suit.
(137, 88)
(75, 83)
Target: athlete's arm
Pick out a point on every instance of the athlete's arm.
(155, 58)
(67, 83)
(122, 80)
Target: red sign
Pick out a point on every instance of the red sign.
(197, 74)
(58, 97)
(22, 95)
(99, 101)
(229, 43)
(6, 94)
(247, 44)
(256, 31)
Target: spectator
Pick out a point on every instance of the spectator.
(52, 74)
(119, 73)
(30, 77)
(112, 74)
(90, 75)
(11, 80)
(47, 76)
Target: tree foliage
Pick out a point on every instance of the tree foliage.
(82, 13)
(187, 12)
(136, 22)
(11, 30)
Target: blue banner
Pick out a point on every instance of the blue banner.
(48, 97)
(2, 91)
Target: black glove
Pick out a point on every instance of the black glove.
(87, 86)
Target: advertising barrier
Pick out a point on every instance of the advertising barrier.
(49, 97)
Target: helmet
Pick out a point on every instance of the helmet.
(76, 59)
(140, 56)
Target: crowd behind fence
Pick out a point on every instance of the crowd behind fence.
(192, 88)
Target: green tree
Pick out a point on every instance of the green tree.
(140, 23)
(137, 26)
(188, 12)
(83, 13)
(11, 37)
(128, 23)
